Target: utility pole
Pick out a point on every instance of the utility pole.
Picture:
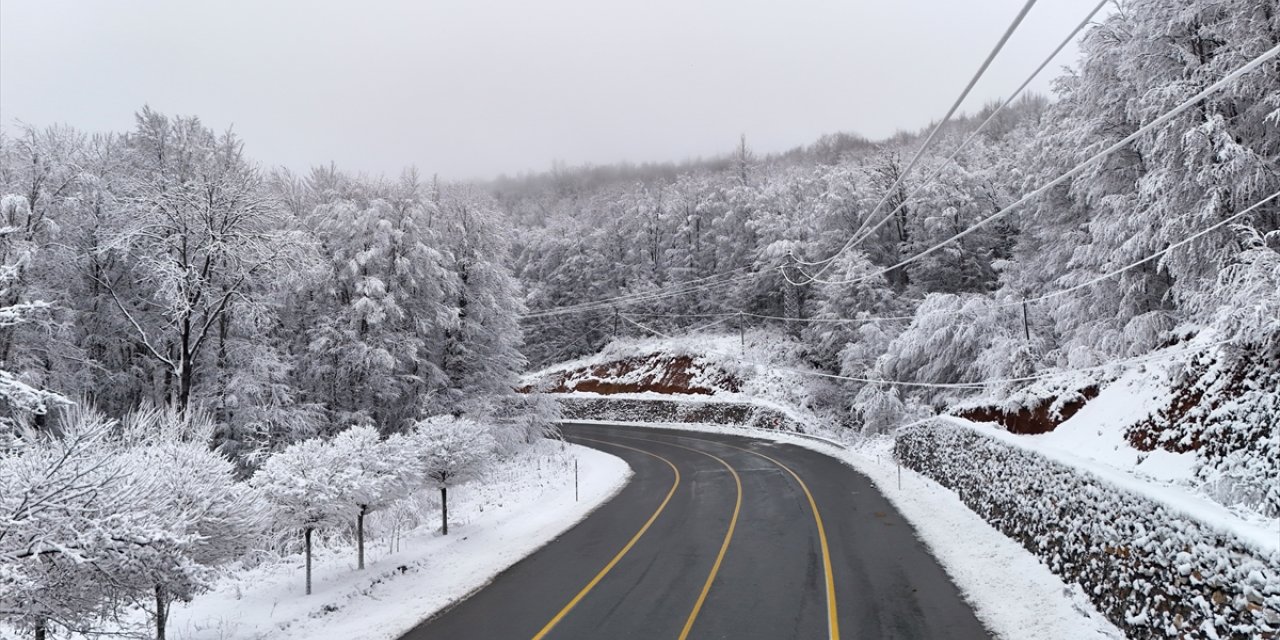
(1026, 327)
(575, 479)
(742, 333)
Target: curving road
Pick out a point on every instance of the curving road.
(720, 536)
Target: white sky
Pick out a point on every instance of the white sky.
(473, 88)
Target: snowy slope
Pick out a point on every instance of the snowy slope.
(1094, 440)
(1097, 432)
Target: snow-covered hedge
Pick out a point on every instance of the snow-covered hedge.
(655, 410)
(1154, 572)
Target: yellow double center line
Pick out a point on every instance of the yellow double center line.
(728, 536)
(631, 543)
(833, 620)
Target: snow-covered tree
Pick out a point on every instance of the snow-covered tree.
(379, 472)
(307, 488)
(76, 526)
(373, 319)
(199, 231)
(481, 352)
(214, 518)
(19, 400)
(451, 450)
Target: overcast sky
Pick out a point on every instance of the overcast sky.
(473, 88)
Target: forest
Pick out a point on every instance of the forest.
(160, 281)
(981, 267)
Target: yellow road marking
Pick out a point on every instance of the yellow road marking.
(728, 536)
(631, 543)
(833, 621)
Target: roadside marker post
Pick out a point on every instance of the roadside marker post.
(575, 479)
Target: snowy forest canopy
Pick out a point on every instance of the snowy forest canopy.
(162, 267)
(748, 233)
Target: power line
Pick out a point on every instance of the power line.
(648, 296)
(1180, 243)
(622, 299)
(1053, 294)
(968, 88)
(818, 320)
(1026, 8)
(1077, 170)
(860, 236)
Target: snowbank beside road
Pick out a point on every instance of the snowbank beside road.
(1011, 592)
(494, 523)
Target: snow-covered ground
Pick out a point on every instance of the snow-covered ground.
(494, 522)
(1013, 594)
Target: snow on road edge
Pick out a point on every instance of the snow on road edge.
(402, 589)
(1010, 590)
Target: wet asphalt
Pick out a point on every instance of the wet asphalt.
(772, 578)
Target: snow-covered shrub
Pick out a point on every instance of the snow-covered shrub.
(523, 419)
(878, 408)
(1154, 572)
(451, 450)
(1245, 304)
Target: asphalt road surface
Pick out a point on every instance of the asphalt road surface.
(720, 536)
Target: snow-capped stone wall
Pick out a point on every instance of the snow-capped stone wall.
(674, 411)
(1153, 571)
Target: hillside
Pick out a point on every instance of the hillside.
(1106, 429)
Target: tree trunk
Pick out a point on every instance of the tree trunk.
(162, 612)
(444, 510)
(184, 383)
(360, 537)
(42, 629)
(307, 536)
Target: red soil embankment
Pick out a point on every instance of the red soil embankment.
(1031, 420)
(672, 375)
